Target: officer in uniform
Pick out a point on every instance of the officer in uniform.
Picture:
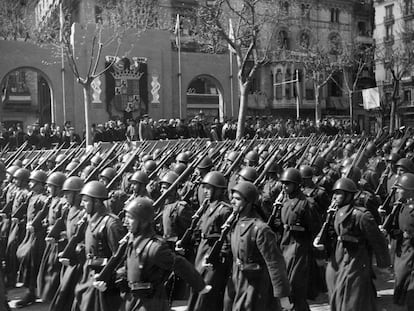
(49, 272)
(149, 262)
(30, 251)
(117, 197)
(298, 231)
(259, 271)
(67, 226)
(349, 274)
(217, 212)
(16, 214)
(102, 236)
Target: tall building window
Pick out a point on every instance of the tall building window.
(389, 11)
(305, 10)
(335, 15)
(388, 32)
(408, 7)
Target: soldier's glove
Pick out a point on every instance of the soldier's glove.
(29, 227)
(286, 304)
(178, 249)
(206, 289)
(206, 264)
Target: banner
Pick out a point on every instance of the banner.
(371, 98)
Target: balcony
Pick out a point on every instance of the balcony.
(389, 19)
(389, 40)
(408, 14)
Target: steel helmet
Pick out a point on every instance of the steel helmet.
(179, 168)
(349, 147)
(249, 173)
(18, 163)
(189, 153)
(150, 166)
(22, 174)
(232, 156)
(95, 189)
(406, 164)
(87, 170)
(347, 162)
(157, 153)
(247, 190)
(56, 179)
(146, 157)
(252, 156)
(182, 157)
(141, 208)
(109, 173)
(406, 181)
(12, 169)
(39, 176)
(291, 175)
(274, 168)
(51, 159)
(60, 158)
(205, 163)
(139, 177)
(312, 150)
(169, 178)
(71, 166)
(73, 183)
(25, 162)
(95, 160)
(393, 157)
(354, 172)
(345, 184)
(306, 171)
(319, 162)
(215, 178)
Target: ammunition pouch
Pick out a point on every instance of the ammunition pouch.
(141, 289)
(350, 242)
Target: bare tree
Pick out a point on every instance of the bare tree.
(254, 25)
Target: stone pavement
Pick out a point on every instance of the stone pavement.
(384, 284)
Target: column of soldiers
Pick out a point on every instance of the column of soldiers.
(247, 225)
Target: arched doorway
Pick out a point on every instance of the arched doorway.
(205, 97)
(25, 98)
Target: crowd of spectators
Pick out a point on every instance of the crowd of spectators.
(148, 129)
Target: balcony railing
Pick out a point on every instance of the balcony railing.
(389, 19)
(389, 40)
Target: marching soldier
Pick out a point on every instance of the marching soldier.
(311, 190)
(103, 233)
(116, 198)
(217, 212)
(67, 226)
(298, 223)
(349, 274)
(139, 181)
(30, 251)
(259, 271)
(271, 189)
(149, 262)
(50, 268)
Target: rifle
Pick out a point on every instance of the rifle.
(240, 156)
(69, 251)
(214, 255)
(70, 154)
(34, 158)
(15, 155)
(4, 150)
(52, 153)
(102, 163)
(321, 241)
(88, 156)
(384, 207)
(37, 220)
(116, 259)
(185, 240)
(277, 207)
(164, 160)
(382, 181)
(389, 221)
(19, 213)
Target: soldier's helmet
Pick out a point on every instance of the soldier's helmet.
(71, 166)
(179, 168)
(139, 177)
(60, 158)
(182, 157)
(73, 183)
(274, 168)
(189, 153)
(407, 164)
(370, 149)
(109, 173)
(345, 184)
(206, 163)
(22, 174)
(141, 208)
(393, 158)
(354, 173)
(312, 150)
(12, 169)
(18, 163)
(96, 160)
(95, 189)
(56, 179)
(39, 176)
(306, 171)
(249, 173)
(247, 190)
(216, 179)
(291, 175)
(232, 156)
(87, 170)
(169, 178)
(150, 166)
(349, 147)
(146, 157)
(319, 163)
(156, 153)
(386, 147)
(252, 156)
(406, 181)
(52, 159)
(25, 162)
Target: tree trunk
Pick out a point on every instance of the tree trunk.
(242, 110)
(351, 111)
(87, 104)
(317, 107)
(394, 104)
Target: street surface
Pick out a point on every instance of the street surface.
(384, 284)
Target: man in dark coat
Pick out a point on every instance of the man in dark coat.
(259, 271)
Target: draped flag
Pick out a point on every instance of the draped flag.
(371, 98)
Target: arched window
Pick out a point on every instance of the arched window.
(283, 40)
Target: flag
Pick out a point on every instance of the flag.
(177, 32)
(231, 37)
(371, 98)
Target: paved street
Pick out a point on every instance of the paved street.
(384, 285)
